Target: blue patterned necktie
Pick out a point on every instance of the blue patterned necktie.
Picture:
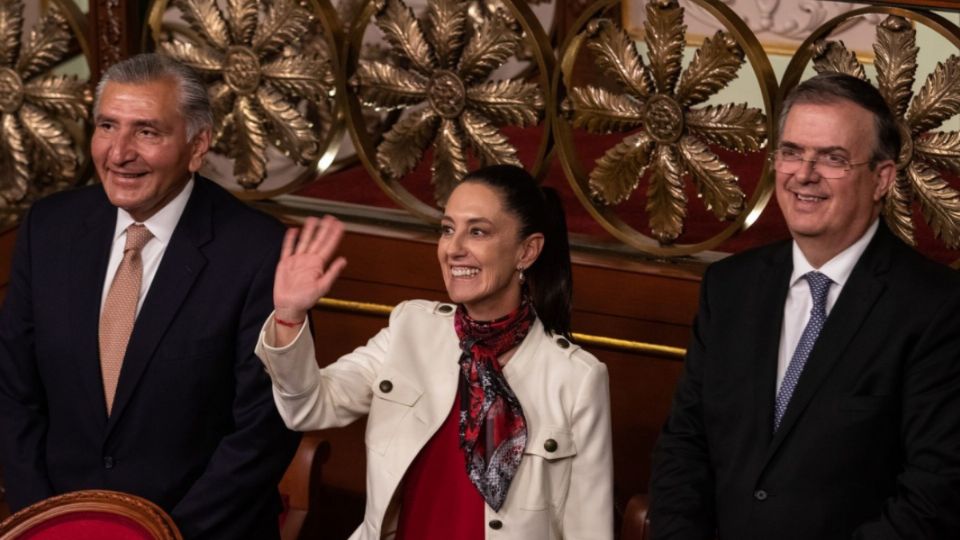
(819, 285)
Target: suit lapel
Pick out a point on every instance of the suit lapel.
(772, 287)
(853, 307)
(89, 253)
(181, 265)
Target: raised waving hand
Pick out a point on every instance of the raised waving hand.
(305, 273)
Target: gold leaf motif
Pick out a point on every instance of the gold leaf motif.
(716, 184)
(297, 76)
(205, 19)
(283, 22)
(939, 203)
(938, 99)
(402, 30)
(201, 58)
(714, 65)
(618, 172)
(732, 125)
(447, 20)
(386, 86)
(11, 24)
(896, 62)
(834, 56)
(491, 146)
(403, 145)
(940, 149)
(663, 33)
(509, 101)
(221, 101)
(617, 56)
(673, 139)
(450, 164)
(437, 76)
(242, 16)
(600, 111)
(897, 209)
(490, 47)
(251, 162)
(296, 135)
(48, 43)
(13, 141)
(52, 141)
(59, 94)
(666, 200)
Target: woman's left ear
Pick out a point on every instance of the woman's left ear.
(530, 250)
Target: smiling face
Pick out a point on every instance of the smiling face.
(140, 147)
(825, 216)
(480, 249)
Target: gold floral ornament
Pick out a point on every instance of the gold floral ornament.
(670, 137)
(924, 150)
(272, 79)
(437, 76)
(39, 152)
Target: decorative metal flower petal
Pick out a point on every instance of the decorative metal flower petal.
(438, 77)
(924, 151)
(267, 85)
(673, 139)
(39, 153)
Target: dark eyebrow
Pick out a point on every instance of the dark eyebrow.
(149, 123)
(818, 149)
(471, 221)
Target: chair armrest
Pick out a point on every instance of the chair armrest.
(636, 521)
(300, 484)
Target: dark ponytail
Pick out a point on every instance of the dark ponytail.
(539, 210)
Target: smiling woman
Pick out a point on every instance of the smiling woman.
(482, 415)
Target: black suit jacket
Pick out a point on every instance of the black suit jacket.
(193, 426)
(869, 446)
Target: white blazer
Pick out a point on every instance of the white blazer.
(405, 379)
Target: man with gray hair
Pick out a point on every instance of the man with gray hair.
(820, 396)
(127, 333)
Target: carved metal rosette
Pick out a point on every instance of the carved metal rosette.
(669, 137)
(438, 78)
(925, 151)
(272, 69)
(42, 113)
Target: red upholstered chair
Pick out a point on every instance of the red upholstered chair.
(90, 515)
(300, 485)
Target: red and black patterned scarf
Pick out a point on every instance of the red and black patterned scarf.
(493, 431)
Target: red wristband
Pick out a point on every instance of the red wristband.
(288, 324)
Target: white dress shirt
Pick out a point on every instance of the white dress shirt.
(796, 310)
(161, 225)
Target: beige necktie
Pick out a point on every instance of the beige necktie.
(120, 310)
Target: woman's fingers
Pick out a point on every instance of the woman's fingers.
(325, 243)
(333, 271)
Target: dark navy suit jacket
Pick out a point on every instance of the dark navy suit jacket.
(869, 446)
(193, 426)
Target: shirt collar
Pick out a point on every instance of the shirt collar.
(161, 224)
(838, 268)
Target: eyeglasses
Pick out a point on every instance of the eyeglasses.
(830, 166)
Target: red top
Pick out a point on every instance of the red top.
(438, 501)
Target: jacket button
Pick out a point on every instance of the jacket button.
(107, 462)
(550, 445)
(564, 344)
(760, 495)
(496, 524)
(445, 308)
(386, 386)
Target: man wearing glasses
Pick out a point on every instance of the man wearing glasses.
(820, 397)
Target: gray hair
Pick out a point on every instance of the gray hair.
(831, 87)
(150, 67)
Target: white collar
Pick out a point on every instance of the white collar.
(161, 224)
(838, 268)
